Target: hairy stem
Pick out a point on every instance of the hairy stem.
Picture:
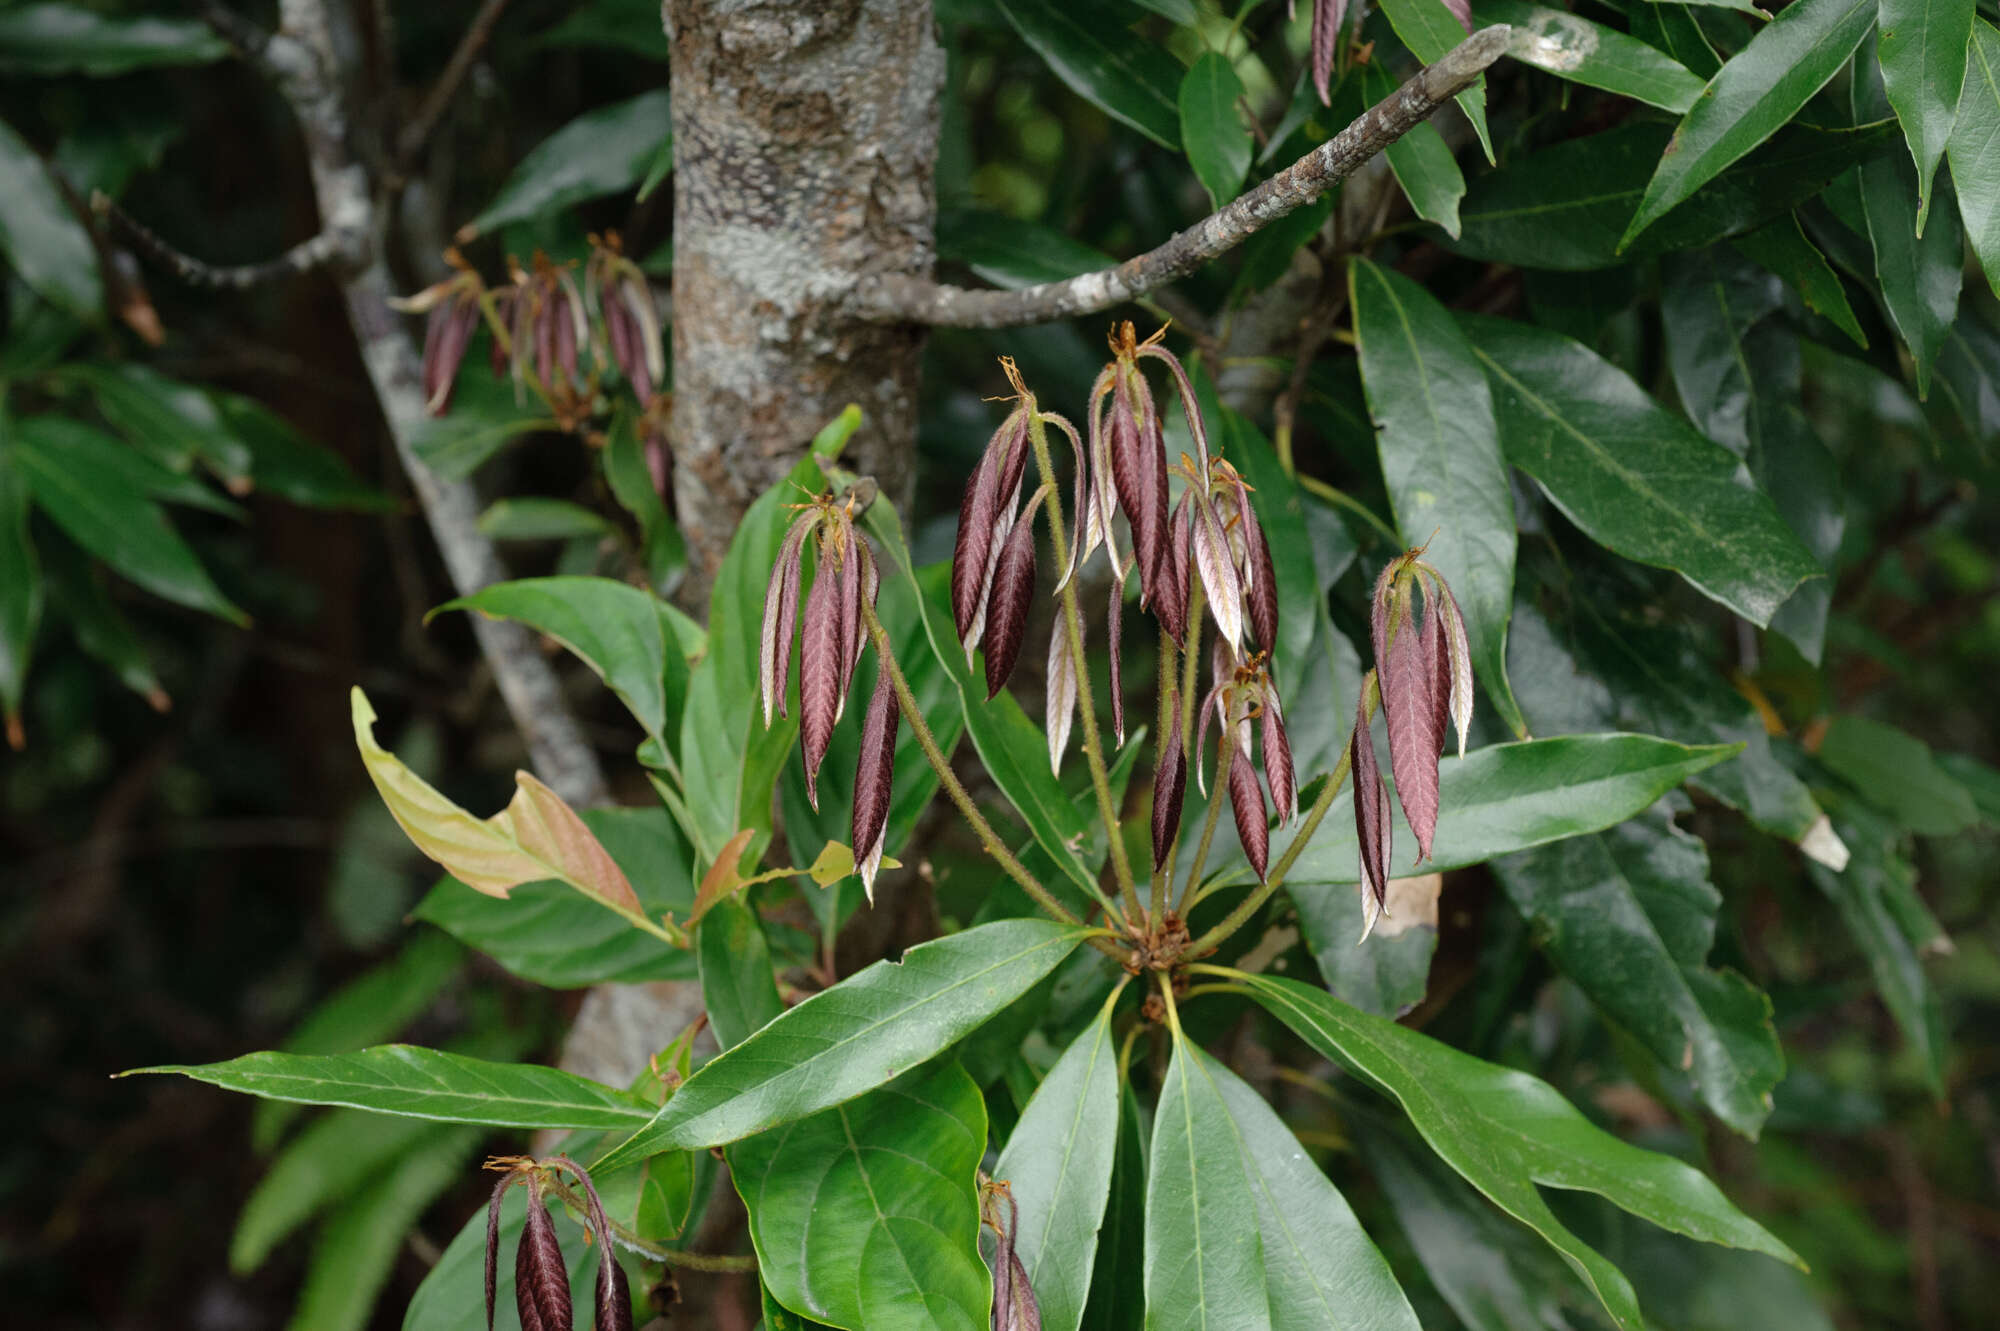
(1072, 624)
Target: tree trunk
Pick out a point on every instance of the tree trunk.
(805, 134)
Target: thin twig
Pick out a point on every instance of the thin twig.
(901, 299)
(299, 259)
(418, 131)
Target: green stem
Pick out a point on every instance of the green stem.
(1072, 617)
(1183, 732)
(1223, 762)
(1371, 697)
(1341, 499)
(988, 838)
(1169, 733)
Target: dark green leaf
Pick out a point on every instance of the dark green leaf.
(87, 451)
(1782, 248)
(1673, 29)
(425, 1083)
(111, 514)
(484, 418)
(1204, 1246)
(48, 39)
(1708, 301)
(1441, 460)
(1567, 206)
(1506, 1131)
(1121, 1242)
(1572, 47)
(600, 152)
(172, 422)
(1633, 475)
(1057, 1162)
(552, 934)
(631, 482)
(855, 1036)
(357, 1247)
(867, 1215)
(1754, 94)
(285, 463)
(1895, 772)
(333, 1157)
(1180, 11)
(1923, 46)
(1011, 253)
(738, 986)
(1629, 917)
(1321, 1268)
(1126, 77)
(20, 589)
(1388, 974)
(1212, 129)
(1511, 797)
(1920, 273)
(1792, 465)
(1975, 149)
(39, 236)
(538, 518)
(1421, 160)
(617, 25)
(1429, 30)
(1876, 897)
(1981, 782)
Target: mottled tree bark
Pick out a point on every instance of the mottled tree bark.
(805, 132)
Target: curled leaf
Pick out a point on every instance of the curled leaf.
(1171, 604)
(1416, 735)
(1326, 22)
(1459, 653)
(874, 779)
(1061, 689)
(1371, 824)
(500, 1187)
(1169, 790)
(541, 1280)
(1246, 800)
(1278, 769)
(614, 1295)
(781, 607)
(977, 512)
(820, 653)
(1012, 595)
(1219, 579)
(1261, 586)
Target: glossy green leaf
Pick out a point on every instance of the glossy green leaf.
(1119, 1264)
(1756, 92)
(1205, 1265)
(172, 422)
(40, 238)
(1874, 895)
(738, 986)
(1567, 206)
(631, 482)
(484, 418)
(613, 628)
(1572, 47)
(1506, 1131)
(1322, 1270)
(1057, 1162)
(538, 518)
(1632, 475)
(425, 1083)
(1421, 160)
(358, 1246)
(453, 1296)
(867, 1215)
(1781, 247)
(1792, 464)
(855, 1036)
(600, 152)
(43, 40)
(1011, 253)
(1429, 29)
(1440, 448)
(1975, 149)
(1180, 11)
(85, 450)
(1125, 76)
(111, 514)
(1708, 301)
(1923, 46)
(1511, 797)
(1629, 917)
(1897, 773)
(1212, 129)
(1012, 748)
(331, 1159)
(1674, 29)
(20, 589)
(551, 934)
(1921, 268)
(1388, 975)
(285, 463)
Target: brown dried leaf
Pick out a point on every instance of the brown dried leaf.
(874, 779)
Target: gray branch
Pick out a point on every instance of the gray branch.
(300, 258)
(900, 299)
(299, 60)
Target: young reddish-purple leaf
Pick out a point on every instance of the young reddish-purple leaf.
(976, 515)
(1278, 768)
(1014, 1306)
(781, 612)
(847, 624)
(1153, 482)
(614, 1295)
(1261, 591)
(1219, 579)
(1246, 799)
(493, 1241)
(1437, 660)
(1128, 472)
(1326, 22)
(1216, 705)
(1171, 605)
(1190, 405)
(874, 779)
(819, 672)
(1462, 11)
(1459, 654)
(446, 337)
(1371, 824)
(1114, 620)
(1013, 444)
(1415, 737)
(505, 302)
(541, 1280)
(1008, 603)
(1061, 690)
(1169, 790)
(1378, 613)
